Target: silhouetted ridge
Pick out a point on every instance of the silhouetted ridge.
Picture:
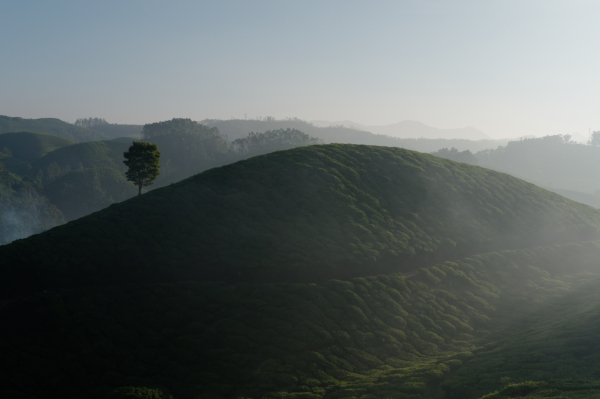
(303, 215)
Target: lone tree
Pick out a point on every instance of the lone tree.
(142, 160)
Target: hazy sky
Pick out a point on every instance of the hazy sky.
(509, 68)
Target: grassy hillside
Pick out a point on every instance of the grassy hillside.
(79, 193)
(96, 154)
(558, 342)
(49, 126)
(23, 211)
(303, 215)
(13, 165)
(376, 337)
(27, 147)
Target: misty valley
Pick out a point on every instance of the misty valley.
(285, 259)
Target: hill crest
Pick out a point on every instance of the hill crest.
(52, 126)
(302, 215)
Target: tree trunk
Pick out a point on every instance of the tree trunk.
(140, 191)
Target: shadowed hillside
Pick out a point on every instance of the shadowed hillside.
(558, 342)
(27, 147)
(13, 165)
(377, 337)
(303, 215)
(79, 193)
(96, 154)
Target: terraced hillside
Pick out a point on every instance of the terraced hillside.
(303, 215)
(376, 337)
(322, 272)
(558, 342)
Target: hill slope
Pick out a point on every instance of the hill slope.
(13, 165)
(49, 126)
(79, 193)
(95, 154)
(559, 341)
(28, 147)
(377, 337)
(304, 215)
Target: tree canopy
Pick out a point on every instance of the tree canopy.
(90, 122)
(273, 140)
(143, 162)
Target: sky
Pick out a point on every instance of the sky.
(509, 68)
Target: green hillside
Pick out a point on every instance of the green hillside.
(95, 154)
(23, 211)
(27, 147)
(13, 165)
(376, 337)
(558, 342)
(322, 272)
(49, 126)
(303, 215)
(79, 193)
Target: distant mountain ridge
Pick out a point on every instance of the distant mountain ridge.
(348, 134)
(411, 129)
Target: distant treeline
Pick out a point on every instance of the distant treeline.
(555, 162)
(112, 130)
(238, 128)
(189, 147)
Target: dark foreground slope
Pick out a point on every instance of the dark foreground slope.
(558, 342)
(307, 214)
(377, 337)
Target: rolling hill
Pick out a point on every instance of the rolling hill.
(13, 165)
(27, 147)
(557, 342)
(81, 192)
(95, 154)
(321, 272)
(49, 126)
(378, 337)
(303, 215)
